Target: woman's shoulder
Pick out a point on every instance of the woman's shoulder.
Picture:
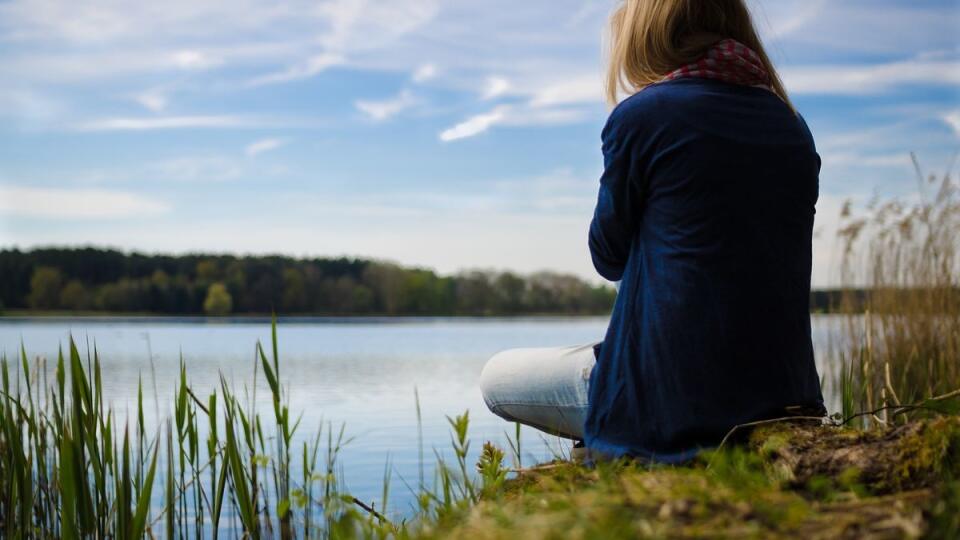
(638, 104)
(649, 98)
(656, 107)
(651, 104)
(645, 113)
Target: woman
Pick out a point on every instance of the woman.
(705, 216)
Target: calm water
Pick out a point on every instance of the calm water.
(362, 373)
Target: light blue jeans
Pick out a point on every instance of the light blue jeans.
(545, 388)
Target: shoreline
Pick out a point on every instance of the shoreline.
(294, 319)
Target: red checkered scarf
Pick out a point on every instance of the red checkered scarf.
(730, 61)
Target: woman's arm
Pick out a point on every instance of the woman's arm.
(614, 220)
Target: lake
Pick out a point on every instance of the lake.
(361, 372)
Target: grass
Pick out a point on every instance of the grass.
(772, 486)
(218, 466)
(68, 469)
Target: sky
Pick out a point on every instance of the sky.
(447, 134)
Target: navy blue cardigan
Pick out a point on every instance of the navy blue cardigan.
(705, 214)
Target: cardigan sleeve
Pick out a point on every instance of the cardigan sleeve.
(614, 219)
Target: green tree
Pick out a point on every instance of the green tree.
(345, 296)
(218, 301)
(510, 289)
(123, 295)
(294, 291)
(475, 295)
(75, 296)
(386, 281)
(45, 288)
(207, 271)
(363, 299)
(236, 282)
(160, 279)
(107, 280)
(425, 294)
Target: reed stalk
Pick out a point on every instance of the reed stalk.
(899, 340)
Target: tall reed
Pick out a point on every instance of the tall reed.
(899, 341)
(69, 468)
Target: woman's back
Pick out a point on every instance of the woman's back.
(706, 214)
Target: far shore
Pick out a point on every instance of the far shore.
(43, 316)
(29, 315)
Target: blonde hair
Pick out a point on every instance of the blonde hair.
(651, 38)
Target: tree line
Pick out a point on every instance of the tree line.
(103, 280)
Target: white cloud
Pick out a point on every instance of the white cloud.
(190, 59)
(870, 79)
(548, 116)
(166, 122)
(559, 192)
(784, 17)
(953, 120)
(263, 145)
(153, 100)
(195, 169)
(519, 115)
(496, 87)
(72, 22)
(424, 73)
(357, 25)
(303, 70)
(586, 12)
(57, 40)
(61, 203)
(475, 125)
(124, 60)
(833, 158)
(384, 109)
(582, 88)
(29, 105)
(844, 29)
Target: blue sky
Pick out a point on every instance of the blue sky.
(441, 133)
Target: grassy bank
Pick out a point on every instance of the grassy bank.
(784, 481)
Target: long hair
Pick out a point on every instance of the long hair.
(651, 38)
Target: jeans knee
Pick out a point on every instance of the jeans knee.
(492, 378)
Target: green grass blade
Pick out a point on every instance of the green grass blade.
(143, 504)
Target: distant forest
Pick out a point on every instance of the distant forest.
(101, 280)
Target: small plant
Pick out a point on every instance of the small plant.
(491, 469)
(461, 447)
